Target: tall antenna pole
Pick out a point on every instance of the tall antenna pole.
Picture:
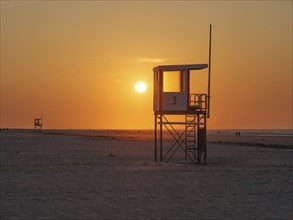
(209, 77)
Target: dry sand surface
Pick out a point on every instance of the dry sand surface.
(112, 175)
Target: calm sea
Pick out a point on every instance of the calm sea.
(256, 132)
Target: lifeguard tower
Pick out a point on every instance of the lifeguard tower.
(172, 97)
(38, 124)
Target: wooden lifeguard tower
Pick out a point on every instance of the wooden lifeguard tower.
(172, 96)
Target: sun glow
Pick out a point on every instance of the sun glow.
(140, 87)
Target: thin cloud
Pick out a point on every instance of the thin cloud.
(150, 60)
(154, 59)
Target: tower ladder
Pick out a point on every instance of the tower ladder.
(190, 135)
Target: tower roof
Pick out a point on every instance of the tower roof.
(181, 67)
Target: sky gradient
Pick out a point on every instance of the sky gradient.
(77, 61)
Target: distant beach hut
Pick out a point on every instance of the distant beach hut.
(38, 124)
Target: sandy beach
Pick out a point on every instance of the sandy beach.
(112, 175)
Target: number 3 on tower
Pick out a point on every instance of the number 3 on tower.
(174, 100)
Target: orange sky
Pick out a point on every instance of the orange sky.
(77, 61)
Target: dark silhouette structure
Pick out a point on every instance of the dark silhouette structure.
(172, 97)
(38, 124)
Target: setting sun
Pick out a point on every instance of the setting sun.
(140, 87)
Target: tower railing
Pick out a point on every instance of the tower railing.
(198, 102)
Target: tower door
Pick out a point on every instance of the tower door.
(175, 94)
